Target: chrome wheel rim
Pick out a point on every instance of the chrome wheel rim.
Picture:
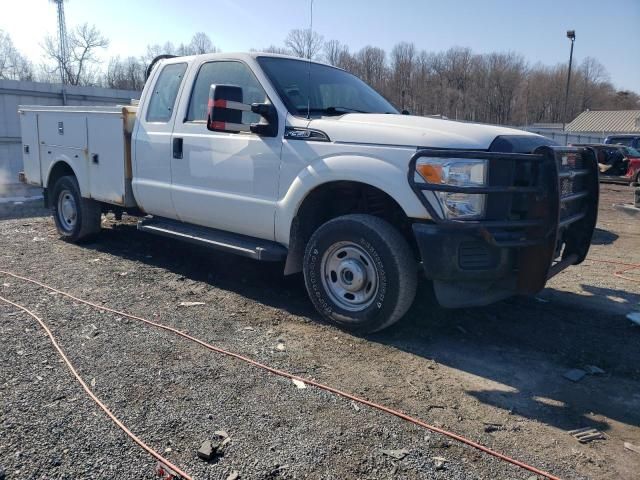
(349, 276)
(67, 210)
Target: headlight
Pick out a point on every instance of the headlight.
(461, 172)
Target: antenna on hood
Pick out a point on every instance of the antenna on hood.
(309, 62)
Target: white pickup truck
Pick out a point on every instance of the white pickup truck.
(281, 159)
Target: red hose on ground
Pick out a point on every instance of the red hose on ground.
(272, 370)
(612, 262)
(630, 266)
(115, 420)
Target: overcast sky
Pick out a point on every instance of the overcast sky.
(607, 30)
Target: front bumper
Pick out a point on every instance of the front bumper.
(449, 253)
(541, 213)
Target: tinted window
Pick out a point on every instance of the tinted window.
(328, 90)
(632, 152)
(225, 73)
(165, 91)
(622, 141)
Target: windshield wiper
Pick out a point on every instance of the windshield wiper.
(336, 110)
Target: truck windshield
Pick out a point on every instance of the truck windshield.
(329, 90)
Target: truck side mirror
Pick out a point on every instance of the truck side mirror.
(222, 115)
(225, 112)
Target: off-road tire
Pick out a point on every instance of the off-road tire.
(394, 262)
(88, 212)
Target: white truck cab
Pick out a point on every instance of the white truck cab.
(284, 159)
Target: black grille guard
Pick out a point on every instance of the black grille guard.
(558, 202)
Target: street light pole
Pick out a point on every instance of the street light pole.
(571, 35)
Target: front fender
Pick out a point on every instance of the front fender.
(388, 176)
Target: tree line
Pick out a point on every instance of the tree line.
(501, 87)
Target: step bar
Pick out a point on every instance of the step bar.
(243, 245)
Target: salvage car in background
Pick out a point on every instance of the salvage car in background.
(627, 139)
(617, 163)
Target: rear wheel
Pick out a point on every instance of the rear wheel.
(76, 218)
(360, 273)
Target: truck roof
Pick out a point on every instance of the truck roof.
(243, 56)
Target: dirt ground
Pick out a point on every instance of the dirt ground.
(493, 374)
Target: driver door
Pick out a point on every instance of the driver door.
(227, 181)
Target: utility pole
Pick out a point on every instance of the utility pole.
(571, 35)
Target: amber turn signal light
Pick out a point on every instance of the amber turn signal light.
(432, 173)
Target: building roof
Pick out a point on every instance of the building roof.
(546, 126)
(611, 121)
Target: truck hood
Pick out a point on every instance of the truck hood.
(410, 130)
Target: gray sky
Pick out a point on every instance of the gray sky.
(608, 31)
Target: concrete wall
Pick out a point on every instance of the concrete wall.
(14, 93)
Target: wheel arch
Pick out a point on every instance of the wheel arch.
(387, 177)
(336, 198)
(59, 168)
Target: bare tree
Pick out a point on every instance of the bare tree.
(128, 74)
(273, 49)
(13, 65)
(304, 43)
(201, 43)
(402, 68)
(156, 49)
(80, 60)
(493, 87)
(332, 51)
(457, 83)
(594, 75)
(625, 100)
(505, 74)
(372, 65)
(348, 62)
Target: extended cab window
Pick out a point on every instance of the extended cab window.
(165, 91)
(225, 73)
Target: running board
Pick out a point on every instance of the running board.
(251, 247)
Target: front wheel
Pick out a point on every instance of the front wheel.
(360, 273)
(76, 218)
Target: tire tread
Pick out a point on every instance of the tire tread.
(401, 257)
(89, 211)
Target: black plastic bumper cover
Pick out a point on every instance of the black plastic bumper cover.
(454, 254)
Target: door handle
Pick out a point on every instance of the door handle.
(177, 148)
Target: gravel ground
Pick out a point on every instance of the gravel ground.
(493, 374)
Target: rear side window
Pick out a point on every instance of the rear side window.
(225, 73)
(165, 91)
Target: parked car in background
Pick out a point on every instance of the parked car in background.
(629, 140)
(617, 163)
(633, 170)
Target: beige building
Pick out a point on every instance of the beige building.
(605, 122)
